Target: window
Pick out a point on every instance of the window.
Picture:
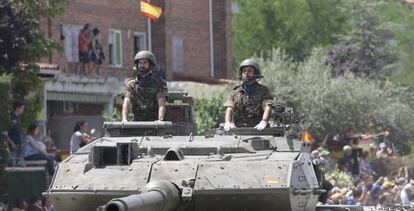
(178, 54)
(115, 48)
(139, 42)
(60, 107)
(71, 41)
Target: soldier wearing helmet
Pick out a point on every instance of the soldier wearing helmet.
(147, 92)
(249, 104)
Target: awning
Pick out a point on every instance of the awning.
(78, 97)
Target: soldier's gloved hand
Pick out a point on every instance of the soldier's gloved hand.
(228, 126)
(262, 125)
(124, 120)
(159, 121)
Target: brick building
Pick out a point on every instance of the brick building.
(192, 41)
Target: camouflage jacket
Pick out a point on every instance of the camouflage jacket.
(144, 97)
(248, 108)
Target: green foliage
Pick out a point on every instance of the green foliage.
(365, 53)
(22, 44)
(327, 105)
(400, 20)
(5, 88)
(45, 8)
(22, 39)
(396, 21)
(116, 116)
(339, 179)
(295, 26)
(209, 113)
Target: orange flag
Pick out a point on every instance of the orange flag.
(150, 11)
(306, 137)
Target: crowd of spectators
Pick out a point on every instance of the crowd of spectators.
(354, 170)
(33, 204)
(31, 144)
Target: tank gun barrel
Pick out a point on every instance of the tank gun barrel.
(156, 196)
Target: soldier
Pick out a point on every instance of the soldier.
(147, 92)
(249, 104)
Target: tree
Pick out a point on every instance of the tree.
(22, 44)
(295, 26)
(22, 41)
(393, 22)
(399, 17)
(5, 88)
(327, 105)
(365, 53)
(369, 51)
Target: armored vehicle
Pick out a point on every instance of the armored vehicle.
(150, 166)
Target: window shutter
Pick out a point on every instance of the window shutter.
(67, 42)
(178, 54)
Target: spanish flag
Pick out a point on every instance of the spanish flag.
(306, 137)
(150, 11)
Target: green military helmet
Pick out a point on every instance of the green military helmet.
(253, 63)
(146, 55)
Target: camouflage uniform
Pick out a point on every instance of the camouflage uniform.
(144, 97)
(248, 108)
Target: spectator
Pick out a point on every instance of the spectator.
(345, 163)
(4, 202)
(364, 165)
(399, 184)
(48, 141)
(406, 192)
(98, 55)
(376, 187)
(330, 162)
(36, 204)
(384, 151)
(34, 149)
(372, 151)
(15, 136)
(79, 137)
(47, 204)
(84, 57)
(51, 146)
(21, 205)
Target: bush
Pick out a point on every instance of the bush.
(209, 113)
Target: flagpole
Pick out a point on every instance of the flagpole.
(149, 32)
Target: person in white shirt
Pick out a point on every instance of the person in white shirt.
(407, 192)
(80, 137)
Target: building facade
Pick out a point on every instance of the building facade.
(192, 41)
